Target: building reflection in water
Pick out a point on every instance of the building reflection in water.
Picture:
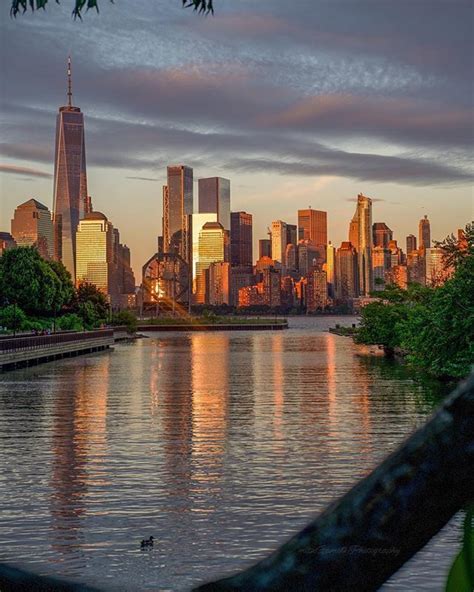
(210, 384)
(79, 445)
(278, 390)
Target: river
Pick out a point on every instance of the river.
(220, 445)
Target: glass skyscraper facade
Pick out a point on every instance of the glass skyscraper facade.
(241, 237)
(95, 252)
(214, 196)
(70, 181)
(177, 207)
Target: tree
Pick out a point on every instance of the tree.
(439, 334)
(66, 291)
(28, 281)
(12, 317)
(20, 6)
(91, 305)
(456, 249)
(380, 325)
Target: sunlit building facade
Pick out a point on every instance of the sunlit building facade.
(381, 263)
(95, 255)
(424, 233)
(279, 241)
(213, 247)
(198, 221)
(411, 243)
(381, 234)
(218, 283)
(32, 226)
(347, 268)
(70, 180)
(330, 268)
(313, 226)
(360, 231)
(177, 209)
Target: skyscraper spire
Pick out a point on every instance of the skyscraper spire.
(69, 82)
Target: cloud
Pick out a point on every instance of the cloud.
(142, 178)
(20, 170)
(307, 88)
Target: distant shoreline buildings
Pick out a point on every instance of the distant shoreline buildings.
(205, 257)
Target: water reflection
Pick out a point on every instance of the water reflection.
(79, 442)
(220, 444)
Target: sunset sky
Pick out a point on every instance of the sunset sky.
(298, 103)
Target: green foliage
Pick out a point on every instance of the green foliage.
(20, 6)
(28, 281)
(439, 335)
(69, 322)
(127, 319)
(13, 318)
(380, 324)
(89, 302)
(434, 327)
(66, 291)
(457, 249)
(461, 574)
(90, 305)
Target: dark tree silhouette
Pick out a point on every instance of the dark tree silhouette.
(80, 6)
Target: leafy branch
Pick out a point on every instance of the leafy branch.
(81, 6)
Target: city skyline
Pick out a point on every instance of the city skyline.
(406, 147)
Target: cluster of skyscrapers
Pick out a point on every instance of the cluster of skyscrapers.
(85, 241)
(205, 257)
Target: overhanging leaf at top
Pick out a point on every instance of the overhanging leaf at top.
(21, 6)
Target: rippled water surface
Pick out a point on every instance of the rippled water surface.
(221, 445)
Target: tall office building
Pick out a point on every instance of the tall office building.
(279, 241)
(382, 234)
(313, 226)
(218, 284)
(291, 234)
(198, 221)
(32, 226)
(424, 233)
(381, 263)
(264, 248)
(361, 231)
(291, 257)
(308, 257)
(212, 248)
(70, 180)
(347, 270)
(241, 239)
(95, 253)
(330, 268)
(214, 196)
(416, 267)
(177, 209)
(411, 243)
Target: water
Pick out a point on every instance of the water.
(220, 445)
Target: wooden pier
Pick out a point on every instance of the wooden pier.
(27, 351)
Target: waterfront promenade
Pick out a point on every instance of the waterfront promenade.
(34, 349)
